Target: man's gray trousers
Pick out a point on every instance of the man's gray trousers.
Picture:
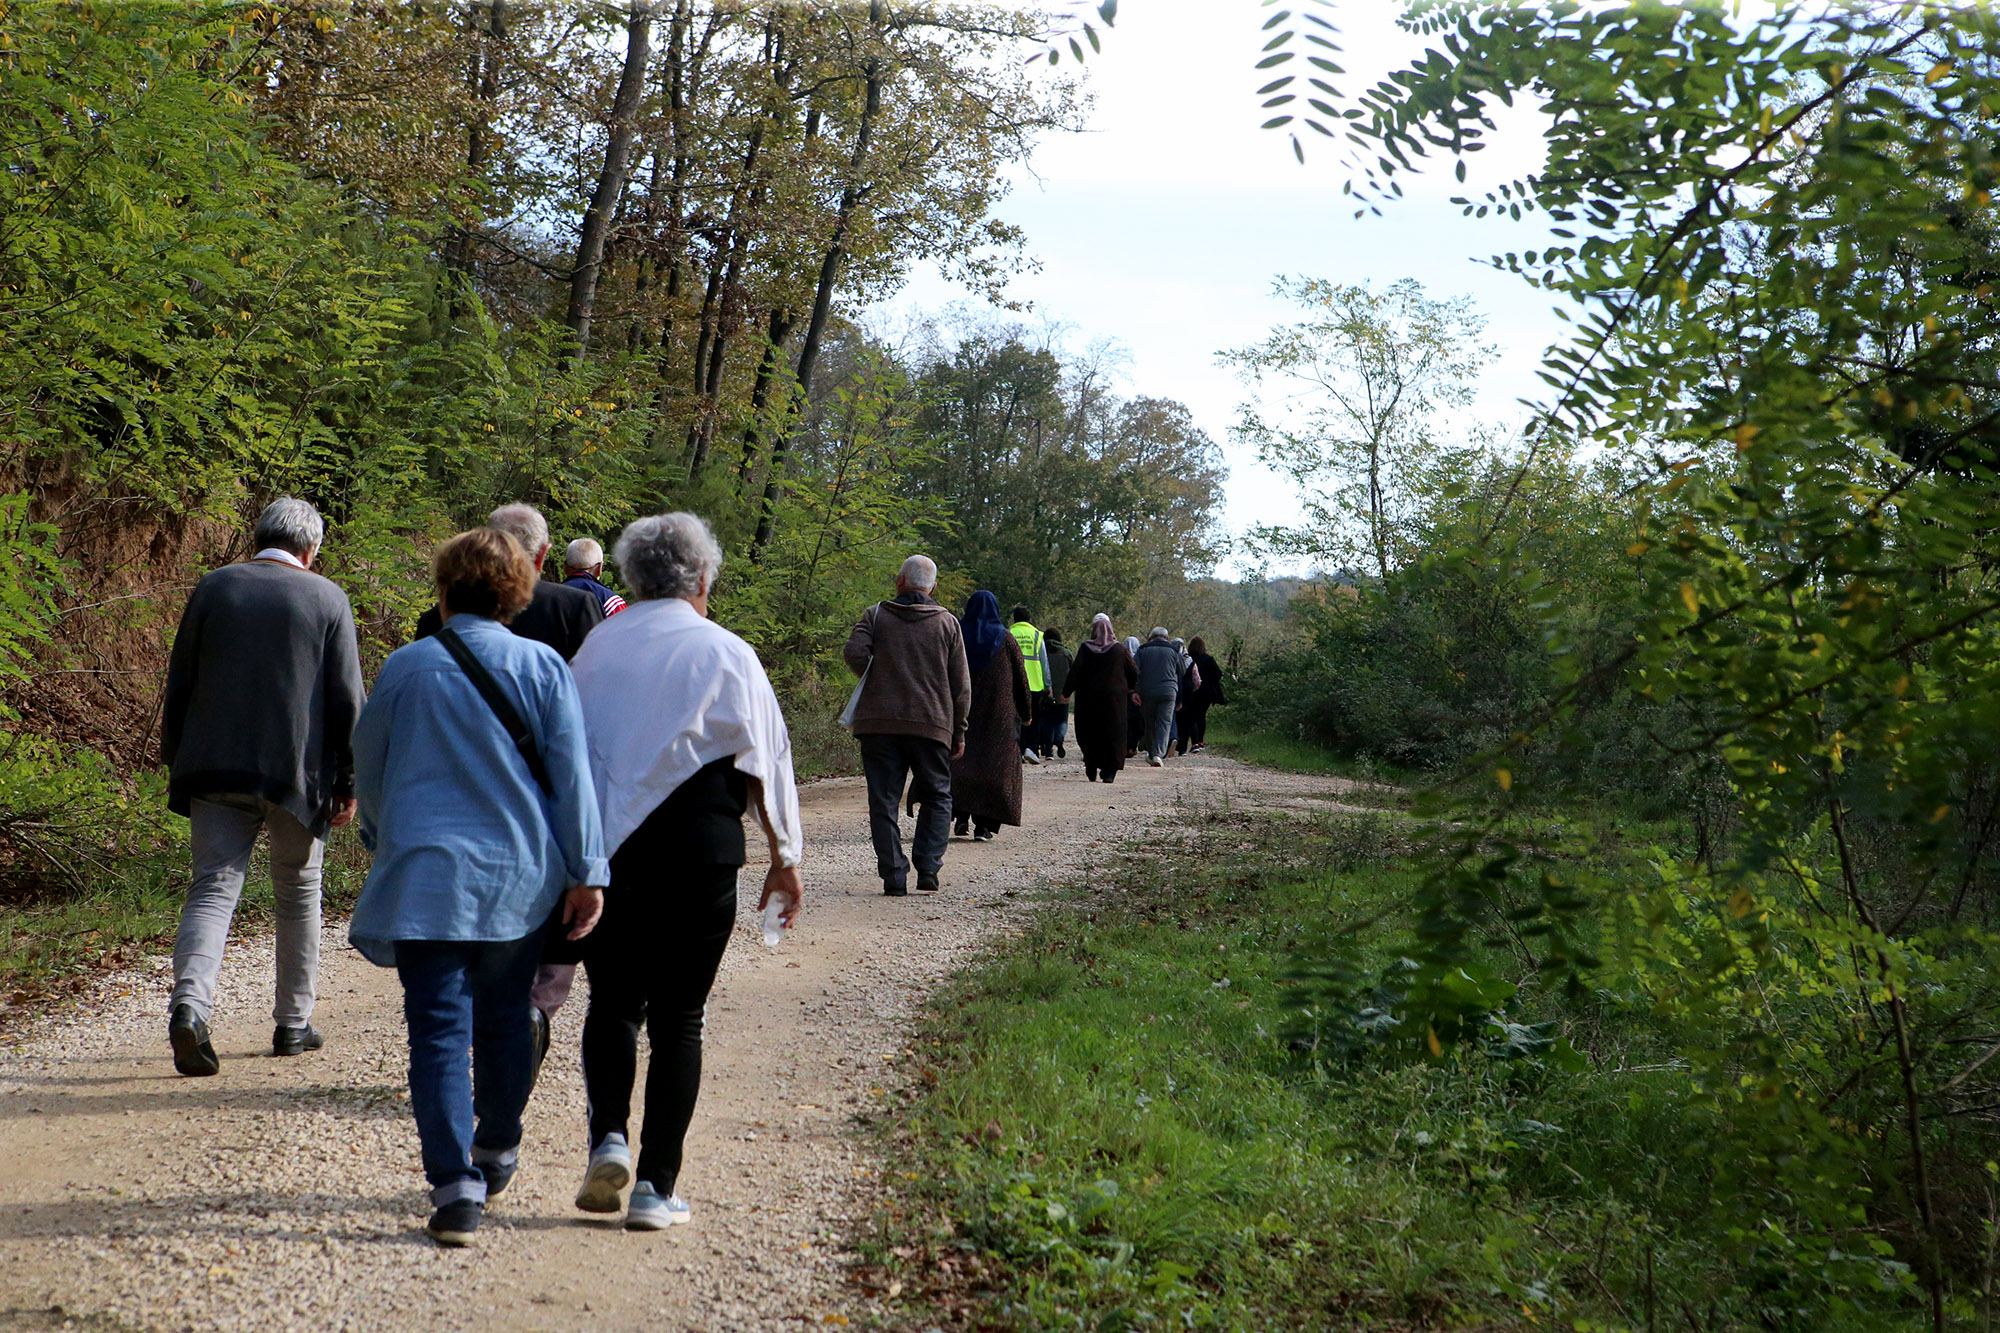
(224, 833)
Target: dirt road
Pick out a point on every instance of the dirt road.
(285, 1194)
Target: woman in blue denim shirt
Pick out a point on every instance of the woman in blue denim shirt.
(471, 859)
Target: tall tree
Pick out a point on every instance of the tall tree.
(1367, 374)
(621, 128)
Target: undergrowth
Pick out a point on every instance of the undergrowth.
(1140, 1113)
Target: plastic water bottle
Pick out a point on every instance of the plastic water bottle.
(774, 922)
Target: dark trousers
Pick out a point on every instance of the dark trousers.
(461, 996)
(924, 765)
(1194, 724)
(652, 960)
(1031, 725)
(1055, 725)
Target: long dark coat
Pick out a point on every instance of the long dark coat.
(1101, 685)
(986, 781)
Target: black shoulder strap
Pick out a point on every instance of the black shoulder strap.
(510, 720)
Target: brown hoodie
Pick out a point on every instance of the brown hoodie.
(918, 684)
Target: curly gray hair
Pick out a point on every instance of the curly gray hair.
(290, 524)
(668, 555)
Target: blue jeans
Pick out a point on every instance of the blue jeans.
(458, 997)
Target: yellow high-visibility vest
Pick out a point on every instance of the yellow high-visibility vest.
(1030, 640)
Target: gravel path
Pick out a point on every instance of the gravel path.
(285, 1194)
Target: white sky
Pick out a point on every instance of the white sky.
(1162, 227)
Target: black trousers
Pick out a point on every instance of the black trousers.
(1194, 724)
(924, 765)
(652, 960)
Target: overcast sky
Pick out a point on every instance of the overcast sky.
(1162, 228)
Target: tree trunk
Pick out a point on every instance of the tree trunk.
(490, 27)
(623, 126)
(760, 393)
(1377, 521)
(829, 274)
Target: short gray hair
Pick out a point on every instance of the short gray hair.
(290, 524)
(919, 572)
(668, 555)
(1159, 631)
(524, 523)
(583, 553)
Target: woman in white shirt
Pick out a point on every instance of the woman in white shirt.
(685, 735)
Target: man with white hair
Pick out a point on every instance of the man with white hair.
(263, 689)
(583, 567)
(559, 616)
(910, 713)
(1160, 673)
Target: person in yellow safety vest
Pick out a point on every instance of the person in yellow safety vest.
(1035, 657)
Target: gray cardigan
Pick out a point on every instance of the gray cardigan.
(263, 689)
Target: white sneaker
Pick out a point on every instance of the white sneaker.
(610, 1171)
(1154, 760)
(1030, 757)
(649, 1212)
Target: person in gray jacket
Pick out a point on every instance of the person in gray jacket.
(1159, 691)
(910, 716)
(263, 689)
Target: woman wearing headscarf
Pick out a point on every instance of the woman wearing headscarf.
(986, 779)
(477, 837)
(685, 736)
(1101, 681)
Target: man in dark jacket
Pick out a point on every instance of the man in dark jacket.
(910, 714)
(583, 567)
(559, 615)
(263, 688)
(1160, 674)
(1055, 709)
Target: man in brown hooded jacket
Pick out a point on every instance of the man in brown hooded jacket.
(910, 716)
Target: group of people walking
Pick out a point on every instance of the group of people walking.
(948, 709)
(546, 776)
(550, 776)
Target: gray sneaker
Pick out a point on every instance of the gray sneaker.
(610, 1171)
(649, 1212)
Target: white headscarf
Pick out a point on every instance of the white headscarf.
(667, 692)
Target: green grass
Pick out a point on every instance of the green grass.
(1268, 749)
(1120, 1120)
(53, 938)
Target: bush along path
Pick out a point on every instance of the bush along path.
(286, 1193)
(1179, 1099)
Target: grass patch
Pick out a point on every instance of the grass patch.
(1139, 1113)
(56, 938)
(1269, 749)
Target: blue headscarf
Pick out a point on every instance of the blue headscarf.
(984, 630)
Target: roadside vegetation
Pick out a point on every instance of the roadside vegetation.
(413, 261)
(1694, 677)
(1180, 1100)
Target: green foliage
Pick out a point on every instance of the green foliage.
(1778, 227)
(1059, 495)
(1141, 1113)
(1367, 376)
